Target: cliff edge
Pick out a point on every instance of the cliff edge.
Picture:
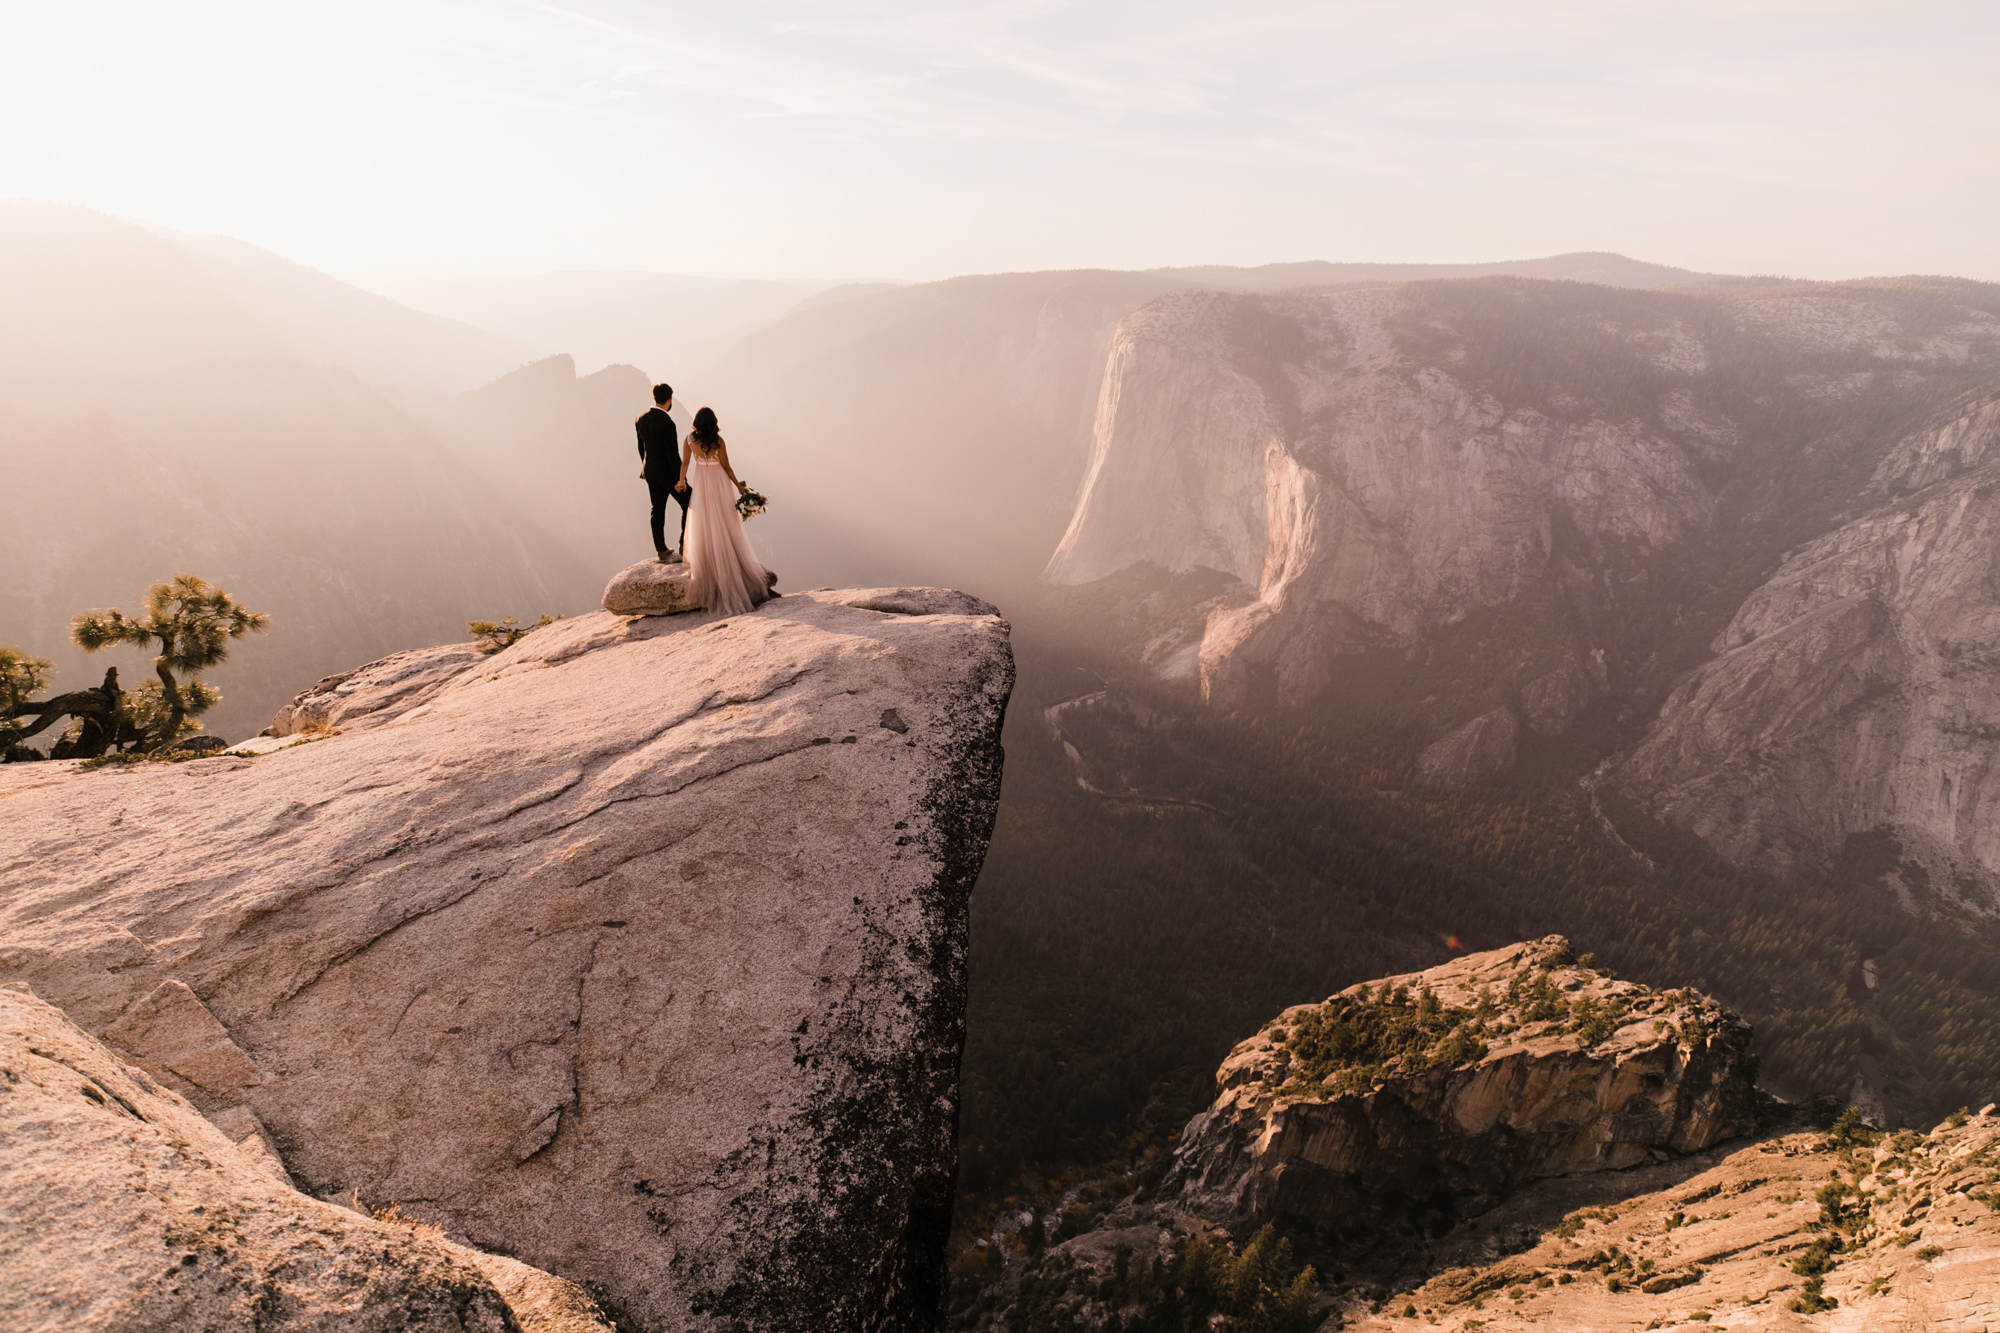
(635, 951)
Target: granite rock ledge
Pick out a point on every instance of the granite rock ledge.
(635, 951)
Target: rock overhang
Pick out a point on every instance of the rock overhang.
(620, 866)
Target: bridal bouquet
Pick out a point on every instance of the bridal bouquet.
(751, 502)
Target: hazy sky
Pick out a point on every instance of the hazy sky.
(767, 139)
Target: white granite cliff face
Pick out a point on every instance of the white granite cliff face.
(635, 951)
(1326, 453)
(1285, 441)
(1858, 690)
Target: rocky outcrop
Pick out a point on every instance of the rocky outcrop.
(1438, 1093)
(1483, 748)
(1550, 702)
(1858, 690)
(1967, 438)
(635, 951)
(126, 1209)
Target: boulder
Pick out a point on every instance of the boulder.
(651, 588)
(635, 950)
(1483, 748)
(126, 1209)
(1443, 1091)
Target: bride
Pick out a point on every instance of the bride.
(723, 572)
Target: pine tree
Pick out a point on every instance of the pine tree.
(20, 676)
(191, 621)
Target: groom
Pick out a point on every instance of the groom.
(660, 459)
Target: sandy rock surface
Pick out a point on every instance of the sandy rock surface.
(635, 951)
(1533, 1067)
(1717, 1241)
(371, 695)
(125, 1209)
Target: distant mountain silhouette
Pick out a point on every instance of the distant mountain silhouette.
(1602, 267)
(436, 477)
(672, 326)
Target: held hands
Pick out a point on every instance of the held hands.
(680, 485)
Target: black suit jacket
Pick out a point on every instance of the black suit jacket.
(660, 448)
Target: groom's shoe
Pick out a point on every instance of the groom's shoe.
(666, 557)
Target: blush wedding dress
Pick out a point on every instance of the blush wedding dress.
(724, 574)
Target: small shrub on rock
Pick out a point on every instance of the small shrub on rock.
(1812, 1298)
(493, 635)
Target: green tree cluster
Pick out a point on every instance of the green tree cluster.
(1351, 1039)
(1207, 1286)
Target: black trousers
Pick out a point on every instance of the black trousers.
(662, 497)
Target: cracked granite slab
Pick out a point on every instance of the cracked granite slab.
(635, 951)
(127, 1209)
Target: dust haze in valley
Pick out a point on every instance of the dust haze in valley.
(373, 473)
(1634, 449)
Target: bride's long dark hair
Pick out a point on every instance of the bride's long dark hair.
(707, 431)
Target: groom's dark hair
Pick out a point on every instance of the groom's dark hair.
(663, 393)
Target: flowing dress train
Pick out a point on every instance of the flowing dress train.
(723, 572)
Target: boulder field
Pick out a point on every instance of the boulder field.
(635, 952)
